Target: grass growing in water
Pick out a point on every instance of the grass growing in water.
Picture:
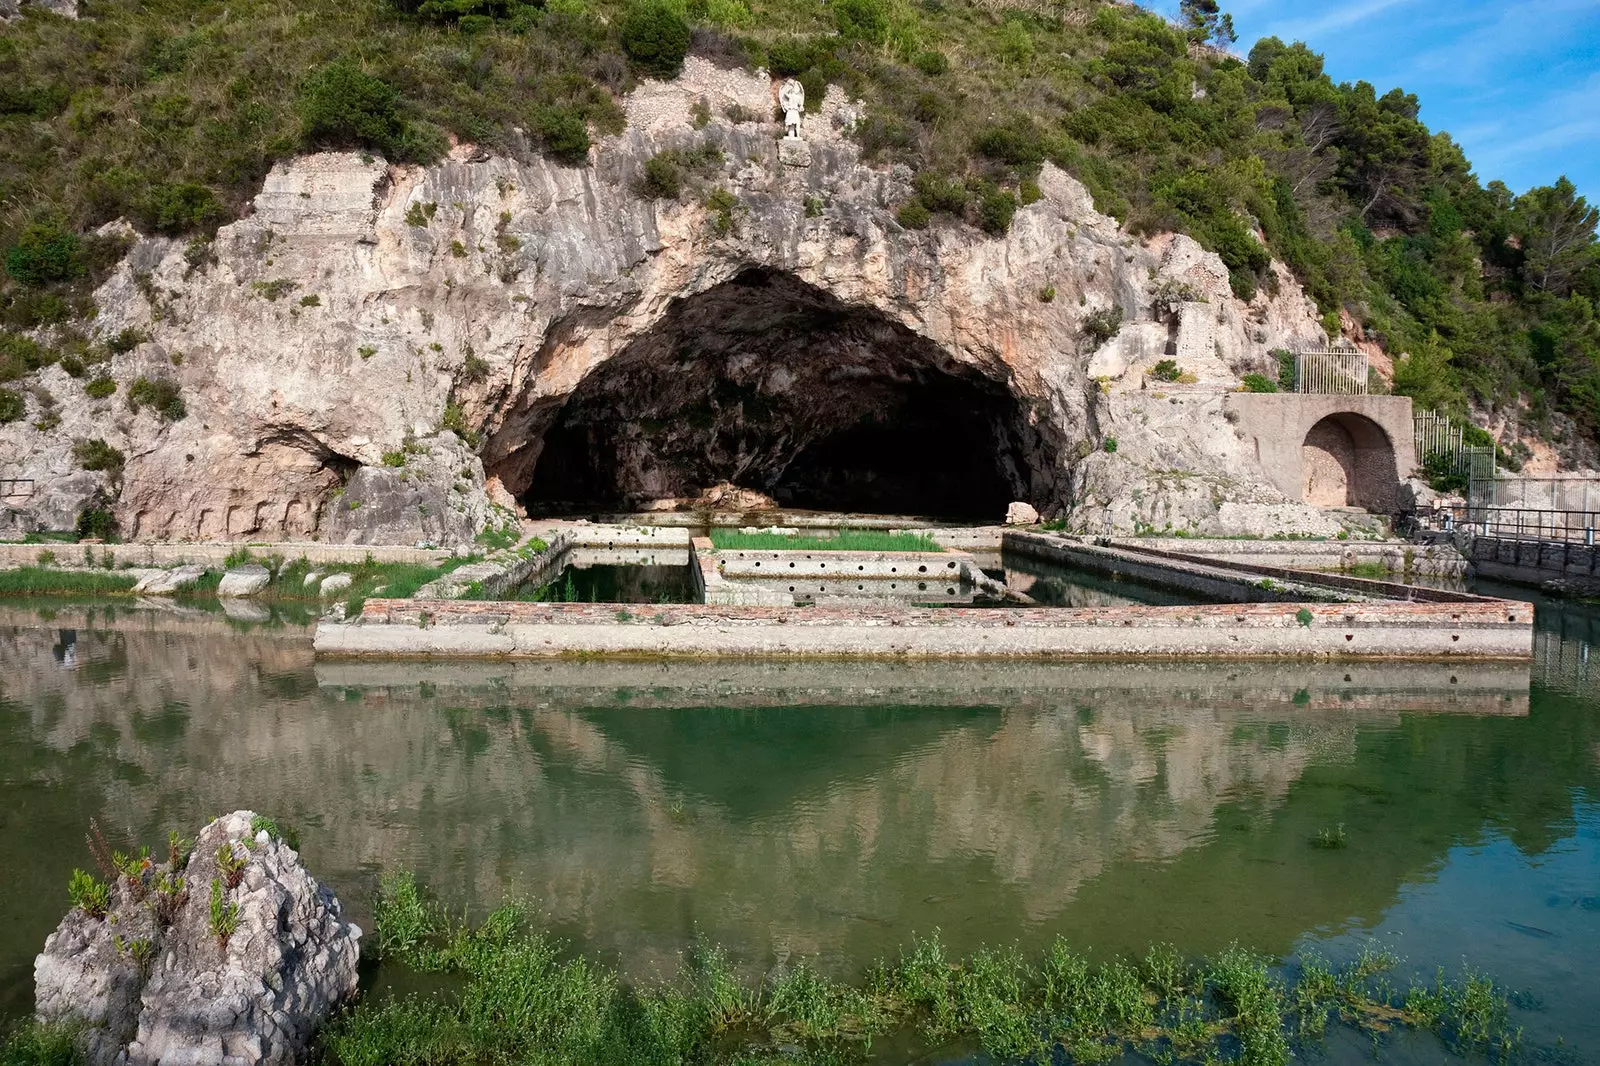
(848, 540)
(46, 581)
(521, 998)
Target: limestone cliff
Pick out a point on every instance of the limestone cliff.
(599, 346)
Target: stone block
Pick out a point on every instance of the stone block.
(244, 581)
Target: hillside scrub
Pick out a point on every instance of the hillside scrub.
(170, 115)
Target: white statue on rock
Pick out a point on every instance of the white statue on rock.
(792, 98)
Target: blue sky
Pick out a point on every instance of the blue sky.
(1515, 82)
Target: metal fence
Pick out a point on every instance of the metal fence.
(1341, 371)
(18, 488)
(1440, 442)
(1547, 493)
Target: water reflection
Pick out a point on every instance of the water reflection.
(828, 811)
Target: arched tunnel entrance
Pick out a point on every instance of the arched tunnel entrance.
(1348, 461)
(777, 386)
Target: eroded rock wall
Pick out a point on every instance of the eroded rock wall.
(361, 305)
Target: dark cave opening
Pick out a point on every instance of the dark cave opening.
(773, 385)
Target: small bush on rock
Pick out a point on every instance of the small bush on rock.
(89, 894)
(1259, 383)
(1100, 326)
(912, 215)
(1166, 370)
(97, 455)
(12, 407)
(99, 388)
(160, 394)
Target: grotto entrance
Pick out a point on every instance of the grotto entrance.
(1348, 461)
(777, 386)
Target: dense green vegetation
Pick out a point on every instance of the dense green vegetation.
(169, 115)
(847, 540)
(520, 998)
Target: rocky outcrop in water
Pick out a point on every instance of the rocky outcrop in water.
(235, 958)
(773, 325)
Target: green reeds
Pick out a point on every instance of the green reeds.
(848, 540)
(48, 581)
(521, 998)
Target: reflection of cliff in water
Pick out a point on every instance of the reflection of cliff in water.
(829, 809)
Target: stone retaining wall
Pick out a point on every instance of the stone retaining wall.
(1475, 629)
(1537, 562)
(1400, 557)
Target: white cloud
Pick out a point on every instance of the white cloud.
(1332, 17)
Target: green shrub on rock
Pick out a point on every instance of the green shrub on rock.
(912, 215)
(161, 394)
(96, 454)
(995, 211)
(655, 35)
(45, 252)
(1259, 383)
(342, 106)
(1100, 326)
(12, 407)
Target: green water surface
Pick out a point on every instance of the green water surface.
(831, 811)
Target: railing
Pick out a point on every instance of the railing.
(1339, 371)
(16, 488)
(1518, 523)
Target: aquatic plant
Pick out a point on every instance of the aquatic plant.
(36, 1043)
(47, 581)
(520, 997)
(1329, 839)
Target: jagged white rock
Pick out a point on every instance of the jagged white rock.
(254, 1000)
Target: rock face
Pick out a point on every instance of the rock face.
(151, 992)
(430, 492)
(609, 350)
(10, 9)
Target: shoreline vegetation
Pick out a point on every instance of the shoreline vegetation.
(505, 992)
(517, 996)
(288, 581)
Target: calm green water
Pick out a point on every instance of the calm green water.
(831, 811)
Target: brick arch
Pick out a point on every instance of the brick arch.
(1347, 460)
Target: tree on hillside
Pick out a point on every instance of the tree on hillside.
(1206, 21)
(1557, 230)
(1385, 150)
